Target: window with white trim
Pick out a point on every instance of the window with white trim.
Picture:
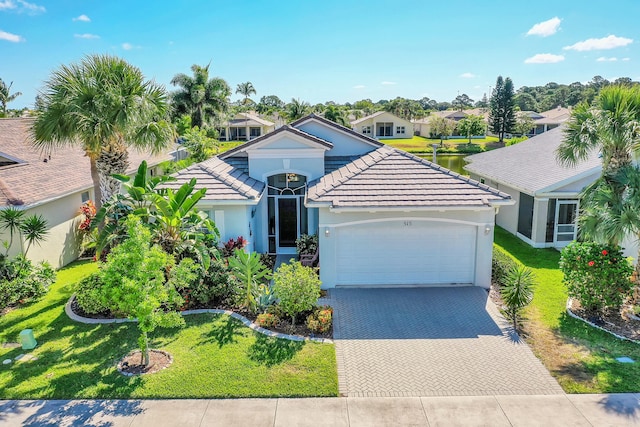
(366, 130)
(400, 130)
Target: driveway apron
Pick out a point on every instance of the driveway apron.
(431, 341)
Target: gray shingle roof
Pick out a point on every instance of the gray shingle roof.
(222, 181)
(530, 166)
(392, 178)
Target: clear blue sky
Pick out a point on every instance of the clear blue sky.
(322, 50)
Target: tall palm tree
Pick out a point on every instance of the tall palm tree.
(201, 97)
(6, 96)
(296, 109)
(335, 114)
(246, 89)
(104, 105)
(611, 127)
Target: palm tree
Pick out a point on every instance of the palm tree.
(201, 97)
(104, 105)
(6, 96)
(611, 127)
(337, 115)
(296, 109)
(246, 89)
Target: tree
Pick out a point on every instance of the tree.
(525, 101)
(6, 96)
(104, 105)
(202, 97)
(441, 127)
(335, 114)
(502, 114)
(524, 124)
(269, 104)
(471, 125)
(296, 109)
(462, 101)
(246, 89)
(483, 103)
(198, 144)
(517, 291)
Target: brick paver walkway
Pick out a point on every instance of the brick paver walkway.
(430, 342)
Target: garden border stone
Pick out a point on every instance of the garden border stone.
(575, 316)
(77, 318)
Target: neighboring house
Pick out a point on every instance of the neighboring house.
(382, 124)
(547, 193)
(245, 127)
(52, 184)
(384, 217)
(551, 119)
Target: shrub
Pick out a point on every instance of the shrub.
(598, 276)
(267, 320)
(250, 272)
(501, 264)
(229, 248)
(89, 295)
(297, 287)
(517, 291)
(265, 297)
(20, 280)
(320, 320)
(307, 244)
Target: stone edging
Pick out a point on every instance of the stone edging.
(248, 323)
(129, 374)
(575, 316)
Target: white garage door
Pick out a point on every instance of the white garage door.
(405, 253)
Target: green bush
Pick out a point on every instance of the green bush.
(307, 244)
(598, 276)
(297, 287)
(320, 320)
(517, 291)
(21, 281)
(267, 320)
(501, 264)
(88, 295)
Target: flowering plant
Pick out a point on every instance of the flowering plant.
(88, 211)
(598, 276)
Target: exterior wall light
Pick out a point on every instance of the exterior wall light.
(327, 232)
(487, 230)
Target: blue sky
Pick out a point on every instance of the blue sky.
(323, 50)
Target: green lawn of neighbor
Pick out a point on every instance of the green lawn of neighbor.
(420, 144)
(580, 357)
(214, 356)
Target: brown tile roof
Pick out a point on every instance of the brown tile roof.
(44, 176)
(392, 178)
(222, 181)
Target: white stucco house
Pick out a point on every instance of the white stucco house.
(244, 127)
(53, 185)
(383, 124)
(383, 216)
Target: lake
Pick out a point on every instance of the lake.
(453, 162)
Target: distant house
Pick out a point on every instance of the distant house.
(550, 119)
(53, 185)
(422, 126)
(245, 127)
(383, 124)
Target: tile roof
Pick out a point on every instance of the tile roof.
(531, 165)
(370, 116)
(335, 125)
(222, 180)
(332, 163)
(554, 116)
(391, 178)
(43, 176)
(248, 119)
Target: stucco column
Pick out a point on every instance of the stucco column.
(227, 131)
(539, 226)
(484, 253)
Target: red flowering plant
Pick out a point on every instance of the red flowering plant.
(597, 275)
(230, 247)
(88, 211)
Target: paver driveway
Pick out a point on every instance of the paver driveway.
(430, 341)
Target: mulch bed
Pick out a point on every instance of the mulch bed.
(132, 363)
(617, 322)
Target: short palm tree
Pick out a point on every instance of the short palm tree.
(104, 105)
(201, 97)
(246, 89)
(6, 96)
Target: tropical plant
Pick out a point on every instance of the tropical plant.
(502, 108)
(597, 275)
(134, 283)
(11, 219)
(320, 320)
(335, 114)
(471, 125)
(250, 272)
(229, 248)
(20, 280)
(246, 89)
(296, 109)
(104, 105)
(307, 244)
(32, 228)
(198, 144)
(265, 297)
(267, 320)
(297, 288)
(202, 97)
(517, 291)
(6, 96)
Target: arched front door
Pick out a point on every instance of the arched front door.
(287, 214)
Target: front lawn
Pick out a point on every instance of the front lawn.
(420, 144)
(214, 356)
(581, 358)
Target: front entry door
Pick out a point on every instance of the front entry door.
(287, 224)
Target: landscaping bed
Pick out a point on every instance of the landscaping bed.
(619, 322)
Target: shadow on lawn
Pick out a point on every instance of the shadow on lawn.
(224, 330)
(271, 351)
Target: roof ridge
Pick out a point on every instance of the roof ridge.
(12, 199)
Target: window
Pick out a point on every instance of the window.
(254, 132)
(400, 130)
(366, 130)
(384, 129)
(85, 196)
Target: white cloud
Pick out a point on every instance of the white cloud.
(127, 46)
(388, 83)
(359, 86)
(605, 43)
(544, 58)
(22, 6)
(605, 59)
(10, 37)
(545, 28)
(82, 18)
(7, 4)
(86, 36)
(467, 75)
(626, 59)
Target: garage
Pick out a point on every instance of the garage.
(405, 252)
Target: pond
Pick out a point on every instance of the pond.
(453, 162)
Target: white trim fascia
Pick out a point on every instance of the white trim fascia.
(565, 195)
(287, 153)
(373, 209)
(274, 138)
(363, 139)
(550, 188)
(419, 219)
(13, 159)
(248, 202)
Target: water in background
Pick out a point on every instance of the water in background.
(453, 162)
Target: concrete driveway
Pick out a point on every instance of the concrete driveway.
(430, 342)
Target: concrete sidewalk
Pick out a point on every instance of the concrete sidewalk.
(548, 410)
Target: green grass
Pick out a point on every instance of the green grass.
(581, 357)
(214, 356)
(420, 144)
